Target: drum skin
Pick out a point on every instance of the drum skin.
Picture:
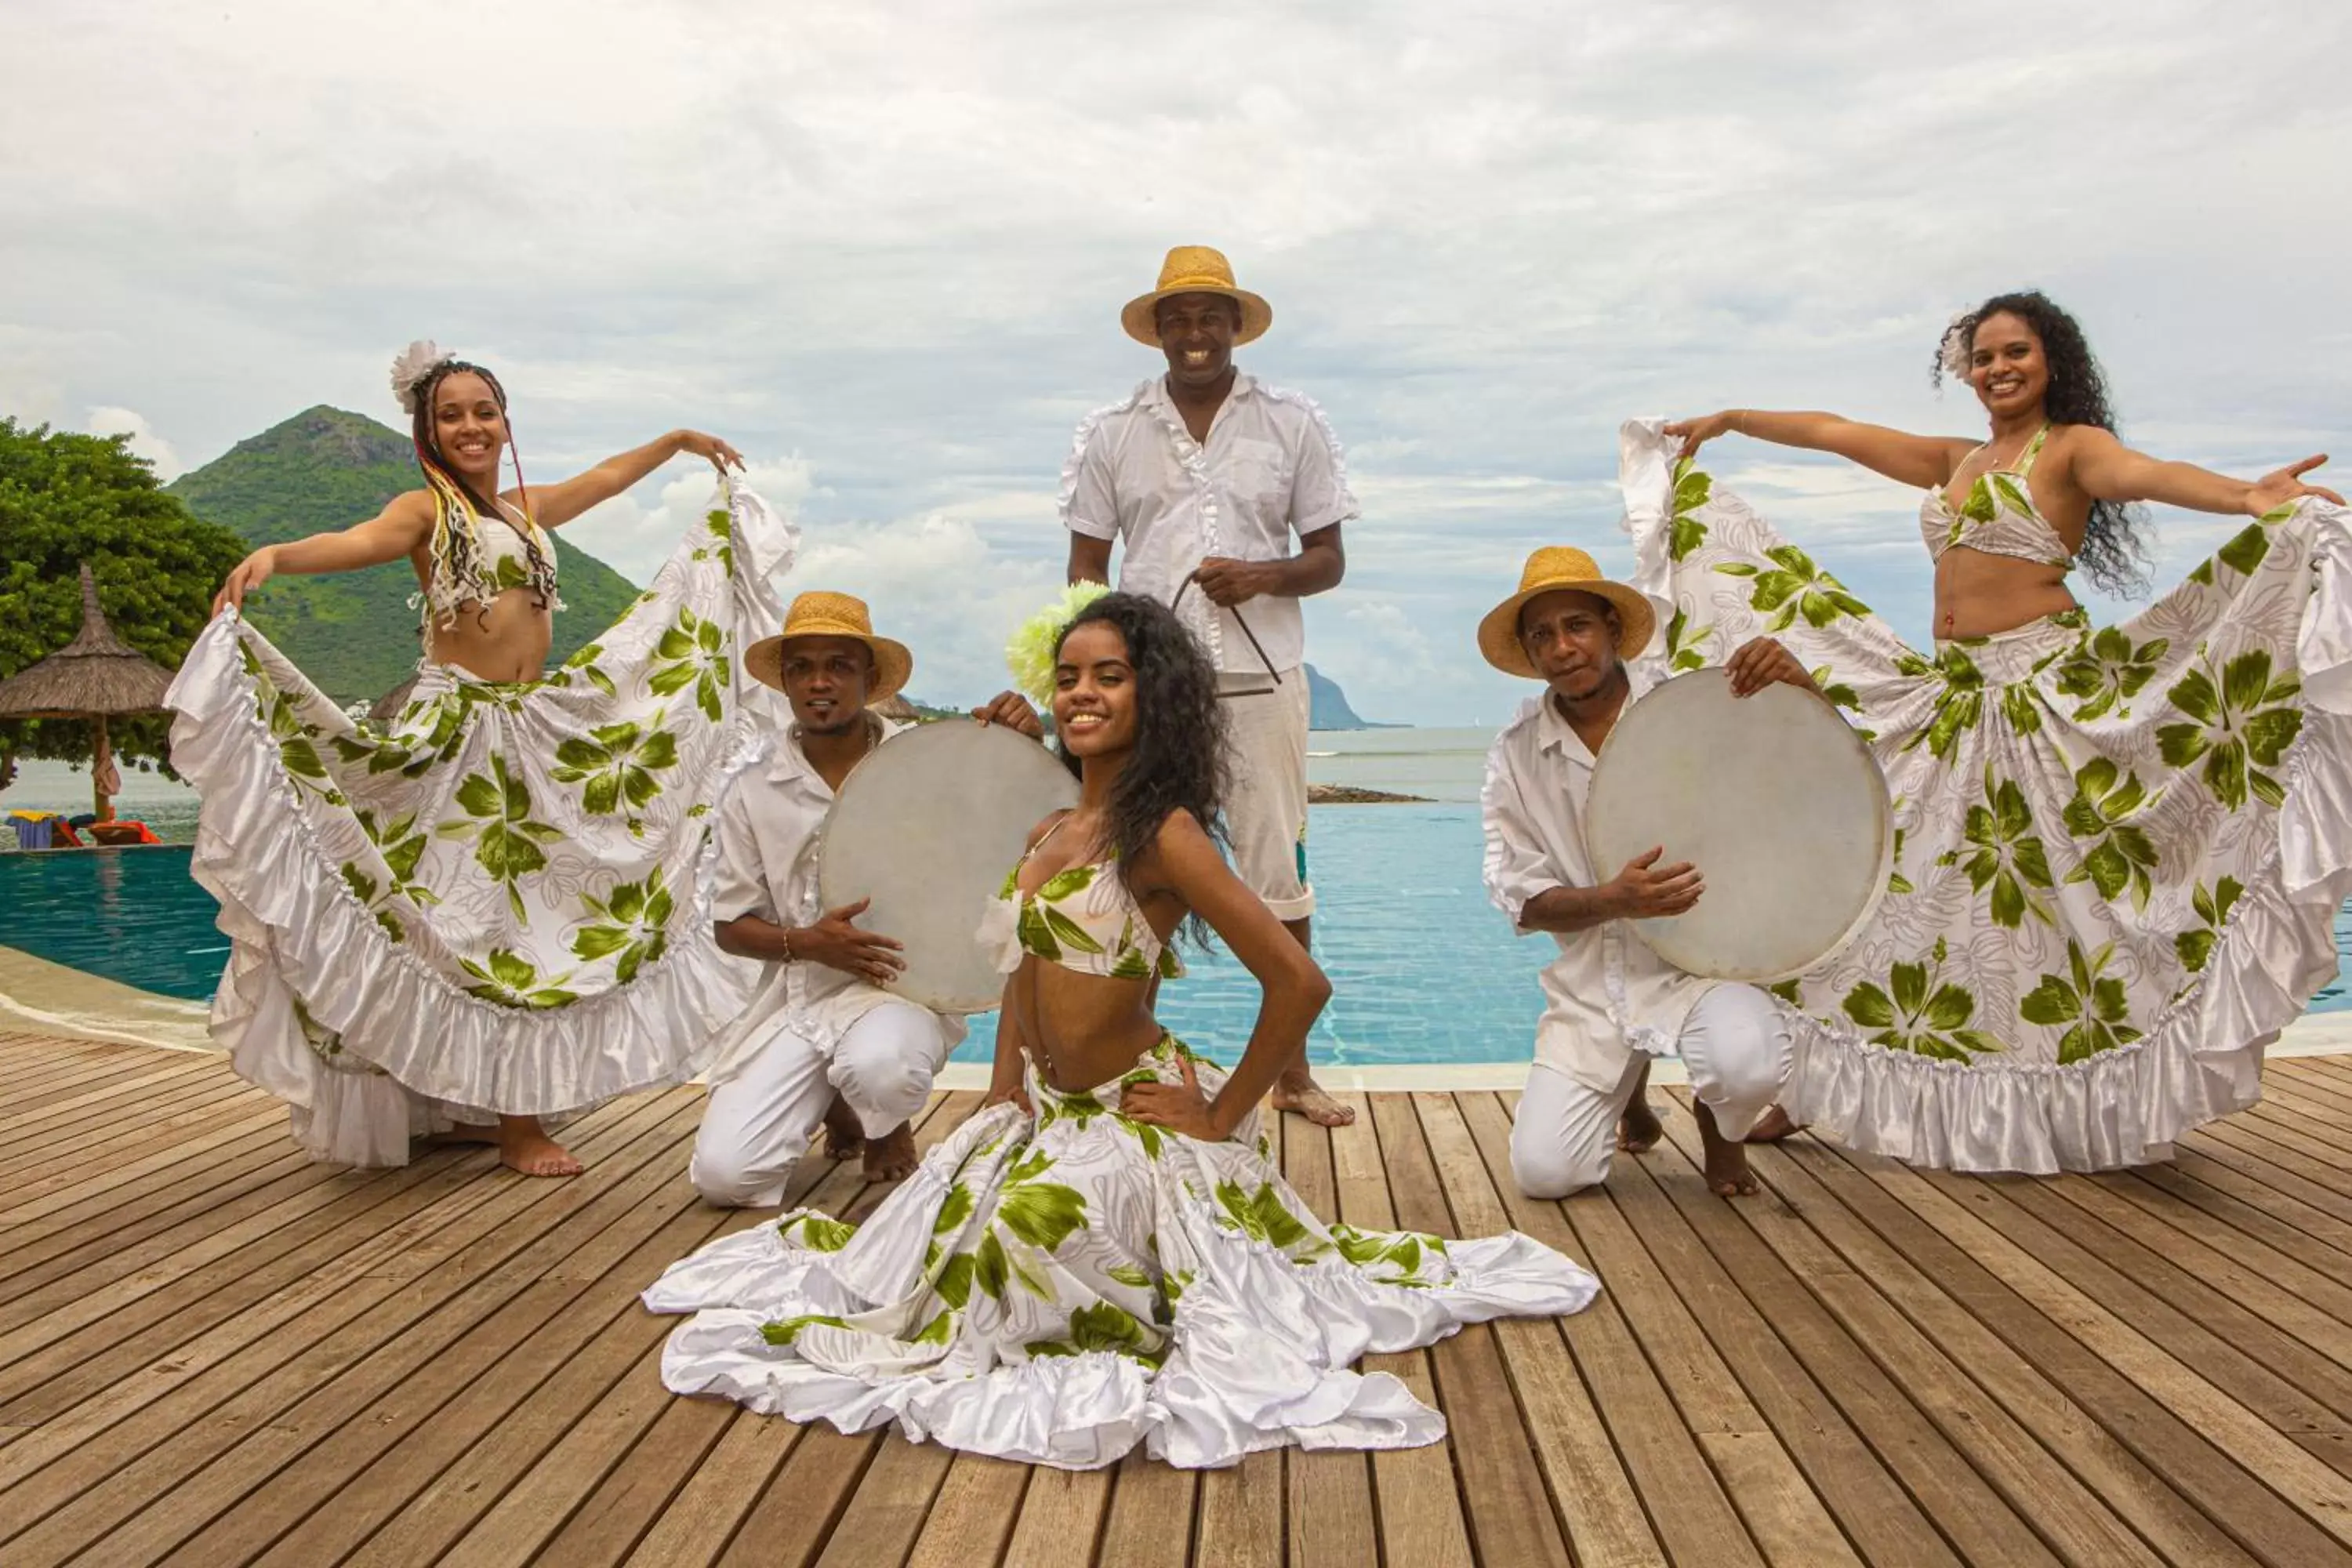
(926, 827)
(1775, 800)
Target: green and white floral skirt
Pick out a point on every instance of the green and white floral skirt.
(494, 904)
(2119, 852)
(1060, 1289)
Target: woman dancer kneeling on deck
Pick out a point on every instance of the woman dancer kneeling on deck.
(1105, 1255)
(485, 913)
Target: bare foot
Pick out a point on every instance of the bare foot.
(1639, 1129)
(845, 1138)
(1727, 1175)
(891, 1157)
(1771, 1127)
(524, 1146)
(1298, 1091)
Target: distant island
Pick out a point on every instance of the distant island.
(1327, 706)
(353, 634)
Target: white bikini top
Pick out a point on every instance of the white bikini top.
(474, 562)
(1998, 516)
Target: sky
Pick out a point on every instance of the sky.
(881, 247)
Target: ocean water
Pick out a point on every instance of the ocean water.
(1423, 969)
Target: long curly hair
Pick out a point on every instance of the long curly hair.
(439, 473)
(2113, 552)
(1179, 760)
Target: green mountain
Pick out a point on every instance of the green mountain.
(353, 633)
(1327, 706)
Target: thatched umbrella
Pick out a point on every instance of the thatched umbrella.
(94, 677)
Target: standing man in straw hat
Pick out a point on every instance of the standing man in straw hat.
(821, 1039)
(1208, 474)
(1610, 1002)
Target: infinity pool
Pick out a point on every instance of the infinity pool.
(1422, 969)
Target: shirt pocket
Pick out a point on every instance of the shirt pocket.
(1258, 476)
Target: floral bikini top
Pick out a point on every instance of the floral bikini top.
(1083, 919)
(474, 562)
(1997, 517)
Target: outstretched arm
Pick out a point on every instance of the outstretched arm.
(391, 533)
(1293, 988)
(1919, 461)
(2107, 470)
(558, 504)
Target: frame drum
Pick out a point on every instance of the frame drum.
(926, 827)
(1775, 800)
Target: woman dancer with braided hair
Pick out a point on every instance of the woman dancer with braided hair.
(2118, 851)
(485, 914)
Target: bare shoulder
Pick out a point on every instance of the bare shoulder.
(1053, 819)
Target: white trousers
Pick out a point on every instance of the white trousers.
(1265, 791)
(1736, 1046)
(759, 1122)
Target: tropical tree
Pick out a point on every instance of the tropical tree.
(66, 499)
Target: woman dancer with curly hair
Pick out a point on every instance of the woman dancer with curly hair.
(1105, 1254)
(483, 915)
(2118, 851)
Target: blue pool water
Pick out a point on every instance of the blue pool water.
(1422, 969)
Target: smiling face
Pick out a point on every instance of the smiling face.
(1196, 333)
(826, 680)
(1094, 692)
(469, 428)
(2008, 366)
(1571, 639)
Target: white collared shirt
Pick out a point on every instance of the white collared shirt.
(1270, 469)
(1607, 995)
(769, 849)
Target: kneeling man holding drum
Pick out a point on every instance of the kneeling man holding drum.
(840, 1031)
(1607, 801)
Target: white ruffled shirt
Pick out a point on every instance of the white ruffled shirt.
(1607, 995)
(770, 845)
(1270, 469)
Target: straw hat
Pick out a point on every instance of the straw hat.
(1553, 567)
(822, 615)
(1195, 270)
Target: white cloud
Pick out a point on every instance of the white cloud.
(144, 442)
(892, 239)
(635, 538)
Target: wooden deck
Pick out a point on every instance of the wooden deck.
(214, 1352)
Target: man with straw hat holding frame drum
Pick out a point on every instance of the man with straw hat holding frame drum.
(822, 1039)
(1207, 474)
(1610, 1002)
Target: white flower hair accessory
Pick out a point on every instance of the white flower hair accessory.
(1958, 346)
(1030, 654)
(409, 371)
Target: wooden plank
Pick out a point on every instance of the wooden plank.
(1420, 1518)
(1504, 1504)
(605, 1485)
(1240, 1514)
(2323, 1216)
(2152, 1403)
(161, 1150)
(2274, 1162)
(89, 1139)
(560, 1364)
(702, 1518)
(325, 1269)
(789, 1524)
(887, 1511)
(1986, 1485)
(2317, 1270)
(970, 1521)
(252, 1176)
(107, 1204)
(1858, 1275)
(1330, 1514)
(1688, 1514)
(1153, 1512)
(267, 1391)
(1665, 1296)
(35, 1113)
(2136, 1288)
(1060, 1519)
